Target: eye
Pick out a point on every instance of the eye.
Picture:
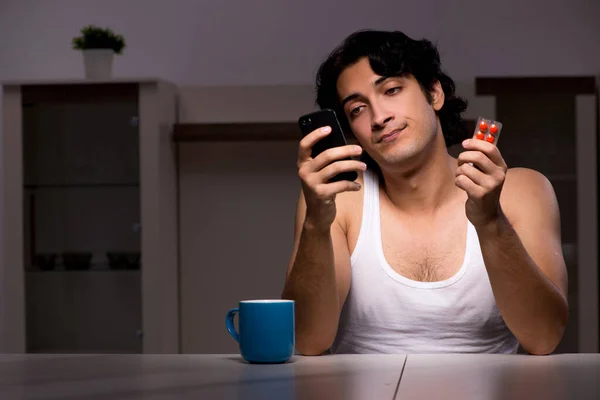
(355, 111)
(393, 90)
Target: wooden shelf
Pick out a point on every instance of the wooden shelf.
(79, 93)
(260, 131)
(538, 85)
(81, 185)
(227, 132)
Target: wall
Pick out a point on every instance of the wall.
(237, 206)
(273, 42)
(251, 61)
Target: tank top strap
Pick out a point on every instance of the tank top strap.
(370, 213)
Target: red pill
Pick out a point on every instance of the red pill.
(493, 129)
(490, 138)
(479, 135)
(483, 126)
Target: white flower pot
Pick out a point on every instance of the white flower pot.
(98, 63)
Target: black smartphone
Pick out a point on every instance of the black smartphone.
(336, 138)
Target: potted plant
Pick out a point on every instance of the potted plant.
(98, 45)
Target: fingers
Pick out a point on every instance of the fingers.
(330, 156)
(326, 192)
(478, 159)
(471, 172)
(488, 149)
(326, 157)
(318, 186)
(316, 173)
(341, 166)
(307, 143)
(482, 170)
(474, 191)
(315, 178)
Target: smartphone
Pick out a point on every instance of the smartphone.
(336, 138)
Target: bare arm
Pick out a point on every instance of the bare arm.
(318, 279)
(523, 255)
(517, 220)
(318, 275)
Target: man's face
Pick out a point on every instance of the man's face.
(391, 118)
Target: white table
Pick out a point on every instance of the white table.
(117, 377)
(371, 377)
(498, 377)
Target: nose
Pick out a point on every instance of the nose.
(381, 117)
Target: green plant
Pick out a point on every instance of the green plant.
(94, 37)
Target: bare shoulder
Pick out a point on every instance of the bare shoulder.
(527, 191)
(526, 181)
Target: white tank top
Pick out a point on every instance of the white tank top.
(386, 312)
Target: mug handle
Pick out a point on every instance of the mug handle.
(230, 325)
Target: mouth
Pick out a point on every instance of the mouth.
(388, 137)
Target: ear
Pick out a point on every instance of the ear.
(437, 96)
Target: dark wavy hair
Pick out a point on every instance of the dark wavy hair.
(393, 54)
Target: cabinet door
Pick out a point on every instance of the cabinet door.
(81, 224)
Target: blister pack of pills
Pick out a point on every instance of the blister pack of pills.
(488, 130)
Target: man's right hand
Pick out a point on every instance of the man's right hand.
(315, 174)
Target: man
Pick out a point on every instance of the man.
(424, 252)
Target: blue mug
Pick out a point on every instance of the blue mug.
(266, 330)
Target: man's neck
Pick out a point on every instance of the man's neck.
(425, 187)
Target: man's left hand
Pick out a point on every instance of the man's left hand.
(482, 181)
